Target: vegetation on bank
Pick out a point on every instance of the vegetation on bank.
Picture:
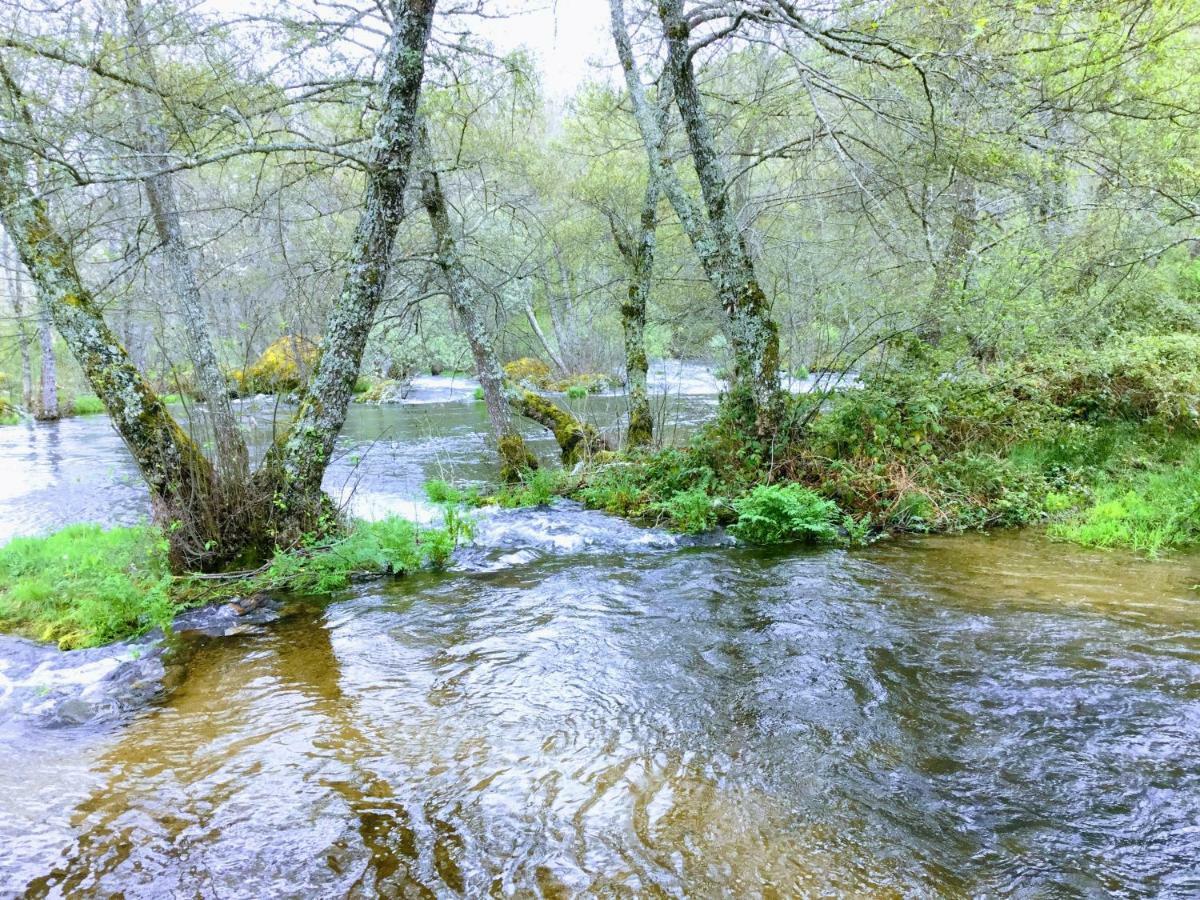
(86, 586)
(1101, 445)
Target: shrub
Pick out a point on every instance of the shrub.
(538, 488)
(776, 514)
(282, 367)
(692, 511)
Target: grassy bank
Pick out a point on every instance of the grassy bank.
(86, 586)
(1103, 447)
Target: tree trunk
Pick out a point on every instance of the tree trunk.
(296, 463)
(179, 476)
(232, 460)
(639, 257)
(16, 292)
(577, 440)
(713, 231)
(541, 336)
(47, 410)
(515, 457)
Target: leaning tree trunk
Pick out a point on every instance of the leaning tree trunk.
(296, 463)
(577, 440)
(232, 459)
(713, 230)
(515, 458)
(179, 476)
(638, 253)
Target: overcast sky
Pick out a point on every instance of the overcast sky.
(567, 37)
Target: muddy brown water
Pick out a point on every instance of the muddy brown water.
(586, 708)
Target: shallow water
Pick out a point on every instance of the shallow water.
(586, 707)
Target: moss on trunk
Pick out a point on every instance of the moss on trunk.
(577, 440)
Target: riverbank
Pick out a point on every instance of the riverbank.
(1102, 448)
(86, 586)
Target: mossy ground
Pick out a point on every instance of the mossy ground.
(86, 586)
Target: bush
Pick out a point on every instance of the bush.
(776, 514)
(538, 488)
(527, 370)
(692, 511)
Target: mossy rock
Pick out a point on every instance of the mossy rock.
(282, 367)
(583, 383)
(528, 371)
(385, 390)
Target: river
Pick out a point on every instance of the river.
(581, 706)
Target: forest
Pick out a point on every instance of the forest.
(302, 297)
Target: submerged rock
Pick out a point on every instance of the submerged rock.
(57, 688)
(514, 537)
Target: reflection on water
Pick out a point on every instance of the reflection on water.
(961, 716)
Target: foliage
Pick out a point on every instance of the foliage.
(528, 371)
(692, 511)
(533, 373)
(1152, 511)
(538, 488)
(776, 514)
(85, 586)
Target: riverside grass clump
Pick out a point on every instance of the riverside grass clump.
(86, 586)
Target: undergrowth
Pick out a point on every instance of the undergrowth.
(85, 586)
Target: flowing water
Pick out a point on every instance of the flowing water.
(586, 707)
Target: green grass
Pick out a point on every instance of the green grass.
(1151, 511)
(87, 405)
(85, 586)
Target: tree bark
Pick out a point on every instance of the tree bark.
(638, 253)
(713, 231)
(515, 458)
(16, 293)
(541, 336)
(179, 477)
(577, 440)
(232, 460)
(296, 463)
(47, 410)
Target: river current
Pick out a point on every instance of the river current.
(585, 707)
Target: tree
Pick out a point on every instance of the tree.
(213, 522)
(713, 231)
(515, 457)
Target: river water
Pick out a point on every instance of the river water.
(585, 707)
